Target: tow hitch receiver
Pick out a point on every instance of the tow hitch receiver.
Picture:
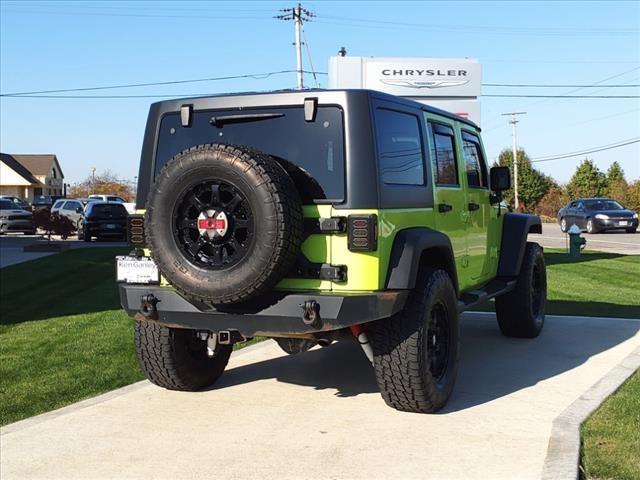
(229, 337)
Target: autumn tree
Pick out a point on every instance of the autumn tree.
(633, 196)
(587, 181)
(106, 183)
(532, 184)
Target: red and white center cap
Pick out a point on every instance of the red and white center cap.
(213, 224)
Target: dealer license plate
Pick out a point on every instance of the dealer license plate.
(622, 224)
(136, 270)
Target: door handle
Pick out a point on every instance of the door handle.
(473, 207)
(444, 207)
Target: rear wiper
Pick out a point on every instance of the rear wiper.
(243, 118)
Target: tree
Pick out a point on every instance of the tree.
(587, 181)
(103, 184)
(552, 201)
(617, 187)
(532, 184)
(52, 223)
(633, 196)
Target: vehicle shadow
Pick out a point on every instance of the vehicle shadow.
(491, 366)
(560, 258)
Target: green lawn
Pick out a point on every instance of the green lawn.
(63, 336)
(611, 436)
(596, 284)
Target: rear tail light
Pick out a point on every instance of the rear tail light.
(362, 233)
(135, 230)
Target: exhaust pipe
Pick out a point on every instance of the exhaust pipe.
(360, 335)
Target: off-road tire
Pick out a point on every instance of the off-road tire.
(168, 358)
(274, 201)
(293, 346)
(520, 312)
(401, 347)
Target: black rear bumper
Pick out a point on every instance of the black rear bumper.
(279, 314)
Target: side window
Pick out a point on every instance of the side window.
(474, 162)
(400, 154)
(443, 154)
(68, 206)
(58, 204)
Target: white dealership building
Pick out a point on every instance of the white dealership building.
(452, 84)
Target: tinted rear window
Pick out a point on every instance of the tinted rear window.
(312, 152)
(114, 209)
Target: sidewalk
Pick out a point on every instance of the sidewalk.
(319, 415)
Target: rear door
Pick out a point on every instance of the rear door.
(449, 198)
(478, 207)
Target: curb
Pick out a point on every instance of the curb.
(31, 421)
(563, 453)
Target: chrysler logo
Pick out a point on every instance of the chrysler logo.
(425, 83)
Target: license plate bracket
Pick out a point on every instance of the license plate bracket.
(142, 270)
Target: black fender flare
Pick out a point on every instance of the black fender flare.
(408, 247)
(515, 229)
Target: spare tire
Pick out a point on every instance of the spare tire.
(224, 223)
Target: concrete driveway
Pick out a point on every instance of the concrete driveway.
(11, 247)
(616, 241)
(319, 415)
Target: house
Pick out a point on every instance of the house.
(29, 176)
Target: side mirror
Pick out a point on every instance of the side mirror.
(79, 210)
(500, 179)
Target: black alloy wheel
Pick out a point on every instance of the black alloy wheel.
(213, 225)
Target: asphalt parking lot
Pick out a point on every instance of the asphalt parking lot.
(319, 415)
(616, 241)
(12, 245)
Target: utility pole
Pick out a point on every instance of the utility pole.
(513, 121)
(298, 15)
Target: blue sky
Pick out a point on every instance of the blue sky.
(57, 45)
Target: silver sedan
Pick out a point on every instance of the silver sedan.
(15, 220)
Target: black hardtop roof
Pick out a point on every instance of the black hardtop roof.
(300, 95)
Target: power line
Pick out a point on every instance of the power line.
(610, 146)
(256, 76)
(306, 44)
(474, 29)
(559, 96)
(531, 85)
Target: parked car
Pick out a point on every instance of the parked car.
(322, 215)
(597, 215)
(130, 206)
(103, 220)
(17, 202)
(72, 208)
(13, 219)
(43, 201)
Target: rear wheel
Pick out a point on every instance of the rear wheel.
(563, 225)
(176, 358)
(631, 230)
(520, 312)
(416, 351)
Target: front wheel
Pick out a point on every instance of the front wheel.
(416, 351)
(591, 228)
(520, 312)
(176, 359)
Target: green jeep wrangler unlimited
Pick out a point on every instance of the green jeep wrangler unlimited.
(315, 215)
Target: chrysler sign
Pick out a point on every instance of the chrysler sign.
(436, 77)
(452, 84)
